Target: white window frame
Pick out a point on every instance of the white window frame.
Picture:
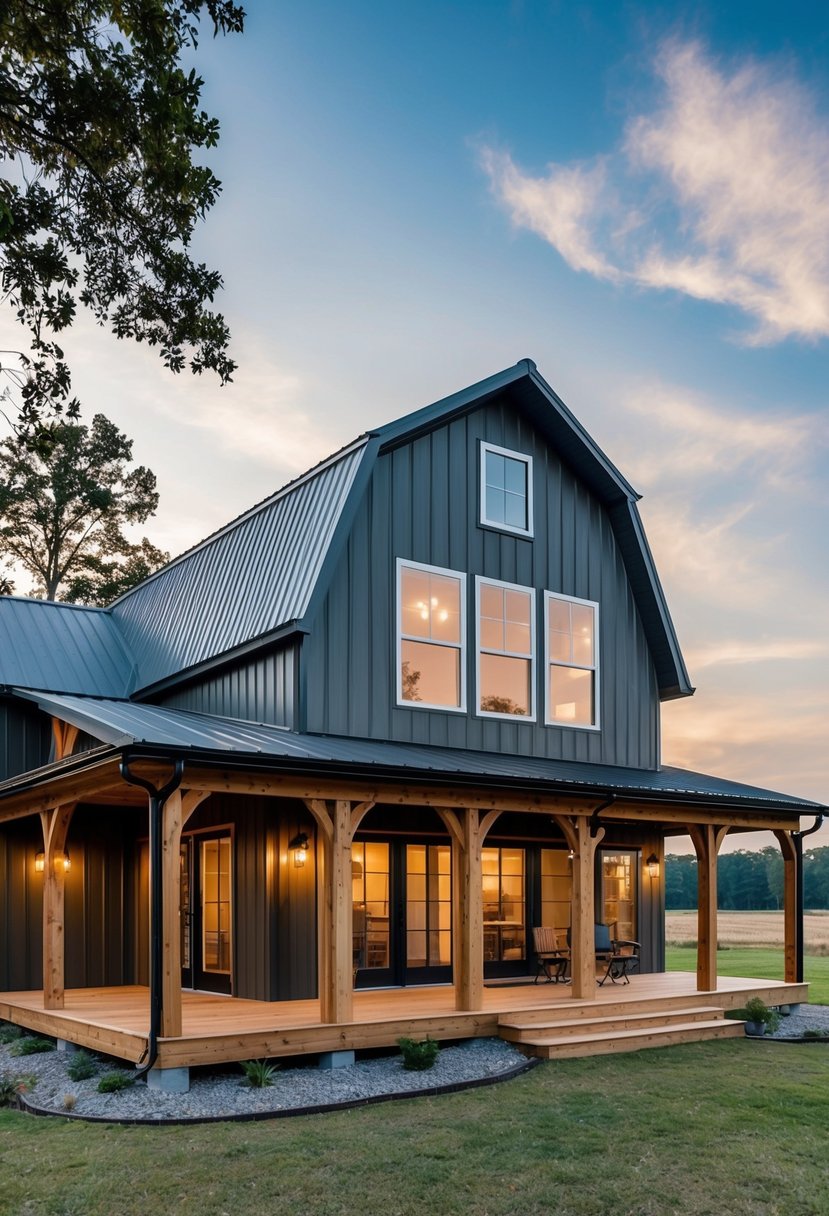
(509, 654)
(492, 523)
(404, 563)
(594, 667)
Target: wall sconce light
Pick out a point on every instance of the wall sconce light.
(67, 864)
(299, 845)
(40, 862)
(571, 855)
(653, 865)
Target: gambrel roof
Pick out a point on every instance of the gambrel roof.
(260, 577)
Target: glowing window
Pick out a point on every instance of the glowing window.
(572, 629)
(431, 668)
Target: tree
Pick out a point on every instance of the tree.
(99, 121)
(63, 511)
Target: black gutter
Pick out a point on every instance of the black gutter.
(594, 818)
(157, 798)
(797, 837)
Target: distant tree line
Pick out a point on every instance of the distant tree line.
(748, 881)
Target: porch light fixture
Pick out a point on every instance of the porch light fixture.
(299, 846)
(653, 865)
(571, 855)
(40, 862)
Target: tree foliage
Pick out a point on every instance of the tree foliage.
(748, 880)
(99, 121)
(63, 510)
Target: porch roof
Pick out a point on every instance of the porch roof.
(152, 729)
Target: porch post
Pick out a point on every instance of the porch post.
(469, 963)
(790, 919)
(583, 930)
(172, 823)
(707, 839)
(55, 824)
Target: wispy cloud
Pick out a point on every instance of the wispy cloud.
(722, 193)
(737, 652)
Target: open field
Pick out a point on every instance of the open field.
(750, 929)
(705, 1128)
(754, 962)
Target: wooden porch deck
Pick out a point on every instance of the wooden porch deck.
(222, 1029)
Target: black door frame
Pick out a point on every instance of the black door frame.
(195, 977)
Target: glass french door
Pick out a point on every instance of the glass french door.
(620, 892)
(207, 912)
(504, 876)
(402, 913)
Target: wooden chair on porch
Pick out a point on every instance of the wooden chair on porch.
(618, 955)
(551, 958)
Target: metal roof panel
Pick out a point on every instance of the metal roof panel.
(62, 647)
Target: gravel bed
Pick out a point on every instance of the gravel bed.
(807, 1017)
(220, 1094)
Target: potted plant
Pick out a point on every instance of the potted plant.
(759, 1018)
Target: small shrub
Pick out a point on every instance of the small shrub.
(10, 1033)
(31, 1047)
(813, 1033)
(81, 1066)
(259, 1074)
(758, 1011)
(8, 1090)
(418, 1054)
(69, 1101)
(114, 1082)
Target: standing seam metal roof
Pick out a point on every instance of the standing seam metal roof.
(62, 647)
(254, 576)
(125, 723)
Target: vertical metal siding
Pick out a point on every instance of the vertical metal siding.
(259, 690)
(25, 738)
(422, 504)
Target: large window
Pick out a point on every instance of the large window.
(506, 650)
(572, 633)
(431, 610)
(506, 490)
(503, 873)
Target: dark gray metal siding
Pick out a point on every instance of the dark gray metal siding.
(25, 738)
(263, 689)
(274, 902)
(94, 901)
(422, 504)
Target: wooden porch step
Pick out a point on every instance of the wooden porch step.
(520, 1031)
(612, 1042)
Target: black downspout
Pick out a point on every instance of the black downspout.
(594, 818)
(797, 837)
(157, 798)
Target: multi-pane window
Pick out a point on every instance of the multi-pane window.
(428, 905)
(506, 650)
(431, 669)
(572, 661)
(502, 876)
(370, 904)
(506, 490)
(556, 890)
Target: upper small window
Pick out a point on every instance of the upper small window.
(431, 635)
(572, 628)
(506, 490)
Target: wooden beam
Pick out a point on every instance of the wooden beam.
(790, 924)
(707, 839)
(55, 826)
(583, 928)
(469, 919)
(450, 821)
(65, 737)
(358, 814)
(172, 822)
(191, 800)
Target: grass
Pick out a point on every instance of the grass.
(696, 1130)
(756, 963)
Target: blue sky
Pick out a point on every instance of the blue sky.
(637, 197)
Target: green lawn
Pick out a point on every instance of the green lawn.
(756, 962)
(699, 1130)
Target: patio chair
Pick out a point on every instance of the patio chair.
(619, 955)
(551, 958)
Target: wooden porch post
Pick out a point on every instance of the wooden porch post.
(707, 839)
(177, 810)
(55, 824)
(469, 981)
(338, 820)
(583, 930)
(790, 926)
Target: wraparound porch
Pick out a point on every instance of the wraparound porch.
(220, 1029)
